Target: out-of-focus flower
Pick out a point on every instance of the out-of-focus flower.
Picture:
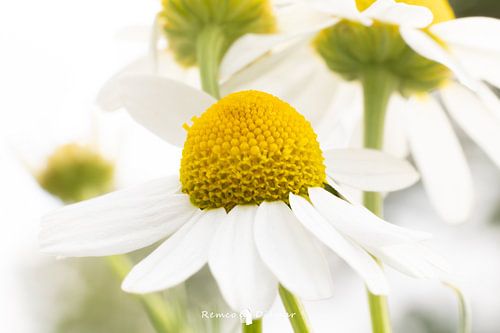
(437, 62)
(255, 189)
(184, 29)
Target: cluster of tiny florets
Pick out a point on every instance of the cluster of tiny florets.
(248, 148)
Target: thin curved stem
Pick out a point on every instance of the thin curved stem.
(464, 321)
(296, 313)
(378, 86)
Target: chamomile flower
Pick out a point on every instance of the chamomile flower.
(437, 63)
(254, 199)
(184, 30)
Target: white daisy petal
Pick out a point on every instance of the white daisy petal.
(352, 253)
(440, 160)
(244, 280)
(369, 170)
(427, 47)
(108, 97)
(480, 33)
(359, 223)
(479, 123)
(162, 105)
(414, 260)
(399, 13)
(291, 253)
(301, 21)
(480, 63)
(340, 8)
(179, 257)
(118, 222)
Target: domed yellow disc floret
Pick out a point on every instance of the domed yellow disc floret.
(441, 9)
(248, 148)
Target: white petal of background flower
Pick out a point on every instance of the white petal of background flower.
(162, 105)
(348, 250)
(473, 32)
(423, 44)
(244, 280)
(440, 160)
(118, 222)
(179, 257)
(476, 120)
(291, 252)
(300, 22)
(369, 170)
(399, 13)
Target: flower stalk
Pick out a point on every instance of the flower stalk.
(210, 48)
(295, 311)
(378, 86)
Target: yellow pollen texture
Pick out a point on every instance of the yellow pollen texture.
(247, 148)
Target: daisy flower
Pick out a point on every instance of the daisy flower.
(190, 38)
(254, 200)
(420, 57)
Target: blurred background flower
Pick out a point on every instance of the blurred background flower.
(53, 61)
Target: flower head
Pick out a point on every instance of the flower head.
(183, 21)
(74, 173)
(248, 148)
(438, 63)
(241, 205)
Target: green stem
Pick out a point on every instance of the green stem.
(210, 48)
(378, 86)
(254, 327)
(295, 311)
(156, 308)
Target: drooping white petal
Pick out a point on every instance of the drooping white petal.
(244, 280)
(160, 63)
(415, 260)
(348, 250)
(178, 257)
(476, 120)
(301, 21)
(359, 223)
(291, 253)
(482, 64)
(399, 13)
(480, 33)
(440, 160)
(162, 105)
(427, 47)
(108, 97)
(118, 222)
(369, 170)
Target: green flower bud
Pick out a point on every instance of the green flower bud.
(350, 48)
(184, 21)
(74, 173)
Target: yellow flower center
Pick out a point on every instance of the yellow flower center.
(75, 173)
(185, 20)
(441, 9)
(247, 148)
